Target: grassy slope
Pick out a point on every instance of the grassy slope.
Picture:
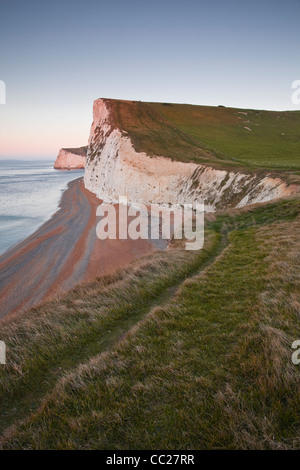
(212, 135)
(273, 142)
(150, 132)
(184, 350)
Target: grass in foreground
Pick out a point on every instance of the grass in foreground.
(148, 365)
(47, 341)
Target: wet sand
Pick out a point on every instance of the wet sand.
(61, 253)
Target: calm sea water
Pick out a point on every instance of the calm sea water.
(30, 192)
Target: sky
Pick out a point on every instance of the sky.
(57, 57)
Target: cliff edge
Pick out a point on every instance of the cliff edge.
(71, 159)
(134, 151)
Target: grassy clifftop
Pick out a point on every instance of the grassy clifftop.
(268, 139)
(219, 136)
(154, 134)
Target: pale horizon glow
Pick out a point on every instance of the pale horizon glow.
(58, 57)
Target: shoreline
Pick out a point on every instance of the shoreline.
(61, 253)
(35, 203)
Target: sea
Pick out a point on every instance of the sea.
(30, 192)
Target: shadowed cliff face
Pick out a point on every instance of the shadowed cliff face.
(116, 166)
(70, 159)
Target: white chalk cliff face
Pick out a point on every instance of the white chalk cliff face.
(114, 169)
(71, 159)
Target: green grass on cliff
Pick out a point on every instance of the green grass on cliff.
(256, 138)
(183, 350)
(150, 132)
(218, 136)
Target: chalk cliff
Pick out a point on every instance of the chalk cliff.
(71, 159)
(115, 168)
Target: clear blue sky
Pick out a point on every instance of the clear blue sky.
(58, 56)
